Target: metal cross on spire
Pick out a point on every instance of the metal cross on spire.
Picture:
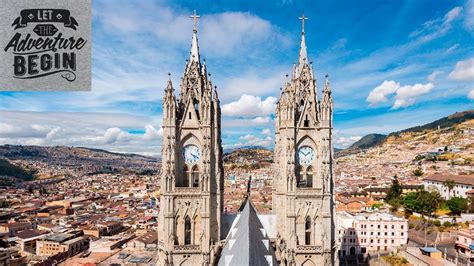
(195, 17)
(303, 18)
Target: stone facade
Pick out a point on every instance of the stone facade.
(192, 171)
(192, 174)
(303, 190)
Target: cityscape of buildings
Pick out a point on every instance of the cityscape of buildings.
(406, 201)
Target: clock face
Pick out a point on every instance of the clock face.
(191, 154)
(306, 155)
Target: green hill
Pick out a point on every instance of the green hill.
(11, 170)
(372, 140)
(368, 141)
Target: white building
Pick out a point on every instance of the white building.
(370, 232)
(463, 183)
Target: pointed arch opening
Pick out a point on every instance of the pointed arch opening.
(309, 176)
(301, 106)
(195, 176)
(187, 231)
(184, 180)
(299, 175)
(196, 106)
(307, 231)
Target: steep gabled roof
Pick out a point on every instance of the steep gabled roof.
(247, 242)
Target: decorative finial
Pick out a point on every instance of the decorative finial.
(169, 75)
(303, 18)
(195, 17)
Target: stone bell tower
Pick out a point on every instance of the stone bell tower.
(303, 190)
(192, 183)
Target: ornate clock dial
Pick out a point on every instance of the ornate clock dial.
(306, 155)
(191, 154)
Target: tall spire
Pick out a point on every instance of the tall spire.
(194, 57)
(303, 57)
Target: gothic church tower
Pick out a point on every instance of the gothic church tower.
(303, 189)
(192, 171)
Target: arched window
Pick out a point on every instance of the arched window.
(187, 231)
(307, 231)
(195, 176)
(309, 176)
(299, 175)
(196, 105)
(185, 176)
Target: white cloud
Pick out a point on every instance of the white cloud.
(469, 20)
(452, 14)
(99, 130)
(464, 70)
(407, 95)
(404, 95)
(261, 120)
(379, 94)
(432, 77)
(223, 33)
(435, 28)
(452, 48)
(266, 131)
(470, 95)
(344, 142)
(249, 105)
(267, 82)
(251, 140)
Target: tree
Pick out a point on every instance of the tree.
(449, 184)
(418, 172)
(422, 202)
(457, 205)
(395, 190)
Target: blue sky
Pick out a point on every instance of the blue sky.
(392, 65)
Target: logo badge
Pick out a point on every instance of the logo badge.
(45, 45)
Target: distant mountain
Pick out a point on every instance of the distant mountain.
(61, 161)
(368, 141)
(444, 122)
(373, 140)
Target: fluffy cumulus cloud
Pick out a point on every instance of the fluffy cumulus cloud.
(464, 70)
(404, 95)
(249, 105)
(470, 95)
(345, 141)
(407, 95)
(379, 94)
